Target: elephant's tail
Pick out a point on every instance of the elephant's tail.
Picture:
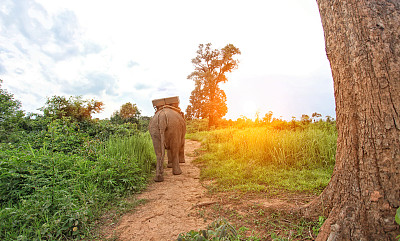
(162, 136)
(162, 125)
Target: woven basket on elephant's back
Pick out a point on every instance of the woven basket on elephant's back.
(171, 101)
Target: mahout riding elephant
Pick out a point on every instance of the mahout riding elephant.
(167, 129)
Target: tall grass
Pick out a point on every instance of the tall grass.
(258, 158)
(137, 149)
(47, 195)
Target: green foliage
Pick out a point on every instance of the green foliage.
(307, 148)
(144, 123)
(196, 125)
(300, 230)
(63, 135)
(133, 157)
(11, 117)
(218, 230)
(128, 113)
(329, 124)
(104, 129)
(51, 194)
(61, 169)
(261, 222)
(43, 196)
(397, 219)
(58, 107)
(321, 220)
(257, 158)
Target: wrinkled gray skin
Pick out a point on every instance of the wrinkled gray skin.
(167, 129)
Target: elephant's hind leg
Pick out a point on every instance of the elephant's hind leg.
(159, 170)
(176, 169)
(182, 154)
(169, 159)
(160, 160)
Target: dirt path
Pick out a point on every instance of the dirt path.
(181, 203)
(170, 209)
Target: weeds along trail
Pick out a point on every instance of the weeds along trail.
(181, 203)
(169, 207)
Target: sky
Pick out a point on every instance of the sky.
(136, 51)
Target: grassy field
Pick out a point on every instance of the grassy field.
(60, 174)
(248, 163)
(263, 158)
(51, 195)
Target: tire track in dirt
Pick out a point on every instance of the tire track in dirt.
(170, 207)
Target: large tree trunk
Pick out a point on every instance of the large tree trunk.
(362, 40)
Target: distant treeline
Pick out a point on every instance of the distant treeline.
(60, 170)
(268, 120)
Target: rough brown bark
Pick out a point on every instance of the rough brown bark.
(362, 40)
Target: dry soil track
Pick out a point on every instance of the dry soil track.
(170, 207)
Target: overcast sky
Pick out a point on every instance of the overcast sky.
(135, 51)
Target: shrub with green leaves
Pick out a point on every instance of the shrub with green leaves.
(260, 158)
(397, 219)
(51, 194)
(11, 116)
(58, 171)
(219, 230)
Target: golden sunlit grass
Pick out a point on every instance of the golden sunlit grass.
(261, 158)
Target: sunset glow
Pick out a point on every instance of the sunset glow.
(136, 51)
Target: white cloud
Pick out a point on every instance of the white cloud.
(135, 51)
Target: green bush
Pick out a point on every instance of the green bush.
(11, 117)
(397, 219)
(52, 194)
(196, 125)
(258, 158)
(104, 129)
(307, 148)
(58, 171)
(218, 230)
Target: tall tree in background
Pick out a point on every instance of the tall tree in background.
(11, 115)
(127, 113)
(363, 47)
(129, 110)
(195, 110)
(211, 66)
(75, 107)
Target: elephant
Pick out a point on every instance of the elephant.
(167, 129)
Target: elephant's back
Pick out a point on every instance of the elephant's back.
(174, 116)
(166, 117)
